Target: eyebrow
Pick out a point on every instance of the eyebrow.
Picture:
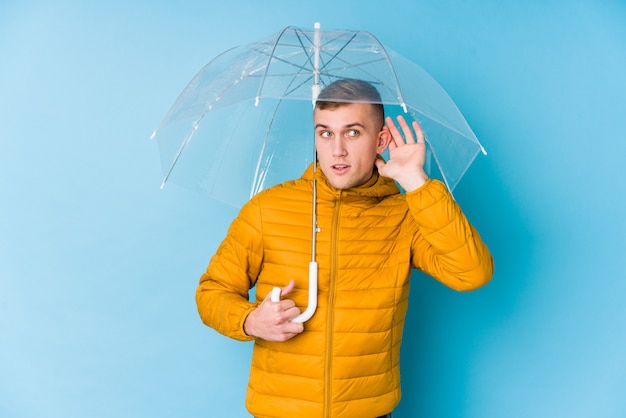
(350, 125)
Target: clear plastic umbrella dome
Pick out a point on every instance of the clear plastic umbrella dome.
(244, 122)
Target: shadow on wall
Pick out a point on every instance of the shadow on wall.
(444, 328)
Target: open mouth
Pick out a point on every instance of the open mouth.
(340, 168)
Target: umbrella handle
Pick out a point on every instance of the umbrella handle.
(310, 309)
(275, 294)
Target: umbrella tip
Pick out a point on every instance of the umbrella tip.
(317, 25)
(153, 134)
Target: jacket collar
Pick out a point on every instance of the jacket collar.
(376, 187)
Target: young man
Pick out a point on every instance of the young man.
(343, 362)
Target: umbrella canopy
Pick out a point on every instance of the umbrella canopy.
(244, 122)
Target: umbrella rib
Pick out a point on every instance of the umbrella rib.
(181, 149)
(272, 55)
(326, 63)
(267, 66)
(393, 71)
(325, 69)
(340, 50)
(264, 76)
(300, 67)
(259, 179)
(386, 58)
(335, 57)
(329, 71)
(278, 58)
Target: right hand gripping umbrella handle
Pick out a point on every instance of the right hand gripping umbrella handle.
(310, 309)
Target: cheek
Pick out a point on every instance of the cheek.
(319, 146)
(377, 148)
(323, 151)
(365, 155)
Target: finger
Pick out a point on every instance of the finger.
(408, 135)
(289, 334)
(379, 163)
(297, 328)
(418, 132)
(277, 292)
(287, 289)
(283, 313)
(291, 313)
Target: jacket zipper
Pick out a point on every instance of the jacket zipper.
(330, 315)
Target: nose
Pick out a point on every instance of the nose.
(339, 149)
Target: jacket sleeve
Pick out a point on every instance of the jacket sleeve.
(222, 295)
(446, 246)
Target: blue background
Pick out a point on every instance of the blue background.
(98, 267)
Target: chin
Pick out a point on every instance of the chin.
(336, 185)
(341, 185)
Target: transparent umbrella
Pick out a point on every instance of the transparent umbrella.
(244, 122)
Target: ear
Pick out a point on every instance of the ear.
(384, 138)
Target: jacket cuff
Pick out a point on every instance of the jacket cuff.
(241, 332)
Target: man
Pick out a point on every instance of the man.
(343, 362)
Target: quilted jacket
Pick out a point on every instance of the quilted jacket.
(346, 362)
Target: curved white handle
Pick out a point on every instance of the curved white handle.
(310, 309)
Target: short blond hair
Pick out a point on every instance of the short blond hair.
(351, 90)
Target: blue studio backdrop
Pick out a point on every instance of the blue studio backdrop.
(98, 267)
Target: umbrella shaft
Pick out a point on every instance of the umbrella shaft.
(314, 220)
(316, 88)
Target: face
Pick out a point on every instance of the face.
(347, 139)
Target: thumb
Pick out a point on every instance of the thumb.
(275, 297)
(287, 289)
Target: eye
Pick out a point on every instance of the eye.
(324, 134)
(353, 133)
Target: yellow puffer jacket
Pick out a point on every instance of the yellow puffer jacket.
(346, 362)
